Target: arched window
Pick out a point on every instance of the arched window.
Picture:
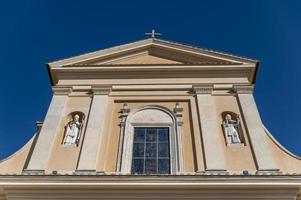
(151, 142)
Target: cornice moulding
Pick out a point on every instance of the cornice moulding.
(80, 88)
(151, 42)
(82, 74)
(152, 87)
(152, 68)
(184, 180)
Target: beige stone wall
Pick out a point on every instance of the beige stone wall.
(190, 130)
(64, 158)
(150, 63)
(284, 159)
(145, 58)
(139, 78)
(15, 163)
(238, 158)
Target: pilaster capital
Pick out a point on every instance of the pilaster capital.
(202, 89)
(101, 90)
(178, 112)
(124, 112)
(61, 90)
(243, 89)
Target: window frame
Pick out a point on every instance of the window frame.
(126, 147)
(172, 151)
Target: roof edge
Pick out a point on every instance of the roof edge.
(90, 55)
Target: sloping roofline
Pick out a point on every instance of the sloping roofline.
(150, 41)
(80, 59)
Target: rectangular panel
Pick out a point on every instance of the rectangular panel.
(151, 150)
(150, 166)
(151, 135)
(163, 150)
(138, 166)
(163, 166)
(163, 135)
(138, 150)
(139, 135)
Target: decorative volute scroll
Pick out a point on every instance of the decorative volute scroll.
(178, 112)
(232, 130)
(73, 131)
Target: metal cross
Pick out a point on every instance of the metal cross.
(153, 34)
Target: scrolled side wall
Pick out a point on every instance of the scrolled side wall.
(287, 161)
(15, 163)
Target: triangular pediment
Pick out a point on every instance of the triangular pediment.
(146, 59)
(153, 52)
(140, 58)
(152, 55)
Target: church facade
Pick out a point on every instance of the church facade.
(152, 119)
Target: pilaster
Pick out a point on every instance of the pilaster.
(260, 146)
(42, 150)
(178, 113)
(94, 130)
(124, 112)
(213, 150)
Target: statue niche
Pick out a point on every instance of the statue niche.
(73, 131)
(232, 128)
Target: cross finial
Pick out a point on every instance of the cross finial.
(153, 34)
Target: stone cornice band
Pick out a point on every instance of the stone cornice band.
(105, 90)
(66, 90)
(208, 89)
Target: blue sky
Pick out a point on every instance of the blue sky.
(36, 32)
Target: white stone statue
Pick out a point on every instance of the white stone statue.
(231, 128)
(72, 132)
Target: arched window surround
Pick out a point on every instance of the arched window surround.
(127, 137)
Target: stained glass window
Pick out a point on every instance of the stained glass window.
(151, 151)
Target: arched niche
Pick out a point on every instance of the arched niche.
(68, 119)
(235, 117)
(233, 114)
(150, 116)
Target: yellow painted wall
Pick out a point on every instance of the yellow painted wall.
(112, 132)
(64, 158)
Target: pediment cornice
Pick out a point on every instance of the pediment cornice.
(153, 55)
(152, 43)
